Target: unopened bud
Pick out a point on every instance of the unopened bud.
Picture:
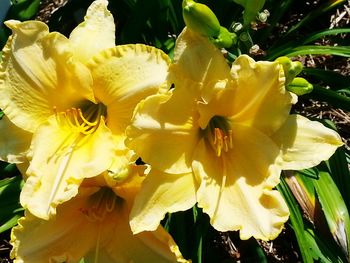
(225, 39)
(291, 68)
(300, 86)
(200, 18)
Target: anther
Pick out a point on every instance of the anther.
(222, 141)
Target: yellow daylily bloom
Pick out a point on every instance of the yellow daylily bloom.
(222, 135)
(93, 225)
(67, 102)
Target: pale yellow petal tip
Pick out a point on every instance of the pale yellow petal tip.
(138, 225)
(26, 25)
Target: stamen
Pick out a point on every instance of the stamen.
(74, 118)
(102, 203)
(222, 141)
(85, 120)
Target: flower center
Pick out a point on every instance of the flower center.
(100, 204)
(84, 119)
(219, 134)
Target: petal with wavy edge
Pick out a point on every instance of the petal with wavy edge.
(235, 188)
(261, 99)
(66, 238)
(77, 232)
(305, 143)
(14, 142)
(62, 158)
(156, 246)
(128, 73)
(122, 159)
(197, 59)
(38, 74)
(95, 34)
(161, 193)
(165, 122)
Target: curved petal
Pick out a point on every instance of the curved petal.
(261, 99)
(305, 143)
(67, 238)
(95, 34)
(254, 211)
(219, 104)
(165, 123)
(128, 73)
(156, 246)
(235, 187)
(62, 158)
(14, 142)
(161, 193)
(122, 159)
(197, 59)
(38, 75)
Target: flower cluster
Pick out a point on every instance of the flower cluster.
(80, 111)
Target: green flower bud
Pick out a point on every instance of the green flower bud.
(225, 39)
(291, 68)
(199, 18)
(300, 86)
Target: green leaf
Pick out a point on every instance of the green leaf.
(330, 96)
(10, 222)
(296, 220)
(334, 79)
(335, 210)
(315, 13)
(323, 33)
(11, 210)
(24, 9)
(312, 247)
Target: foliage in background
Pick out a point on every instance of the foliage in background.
(318, 198)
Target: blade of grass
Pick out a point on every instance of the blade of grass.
(335, 210)
(331, 97)
(296, 221)
(334, 79)
(343, 51)
(323, 33)
(314, 14)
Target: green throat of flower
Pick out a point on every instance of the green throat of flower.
(219, 135)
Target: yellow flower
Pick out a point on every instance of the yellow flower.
(68, 101)
(94, 225)
(221, 138)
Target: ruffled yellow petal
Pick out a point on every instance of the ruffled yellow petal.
(165, 123)
(235, 188)
(67, 238)
(261, 99)
(38, 74)
(14, 142)
(305, 143)
(95, 34)
(197, 59)
(161, 193)
(93, 225)
(156, 246)
(62, 158)
(128, 73)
